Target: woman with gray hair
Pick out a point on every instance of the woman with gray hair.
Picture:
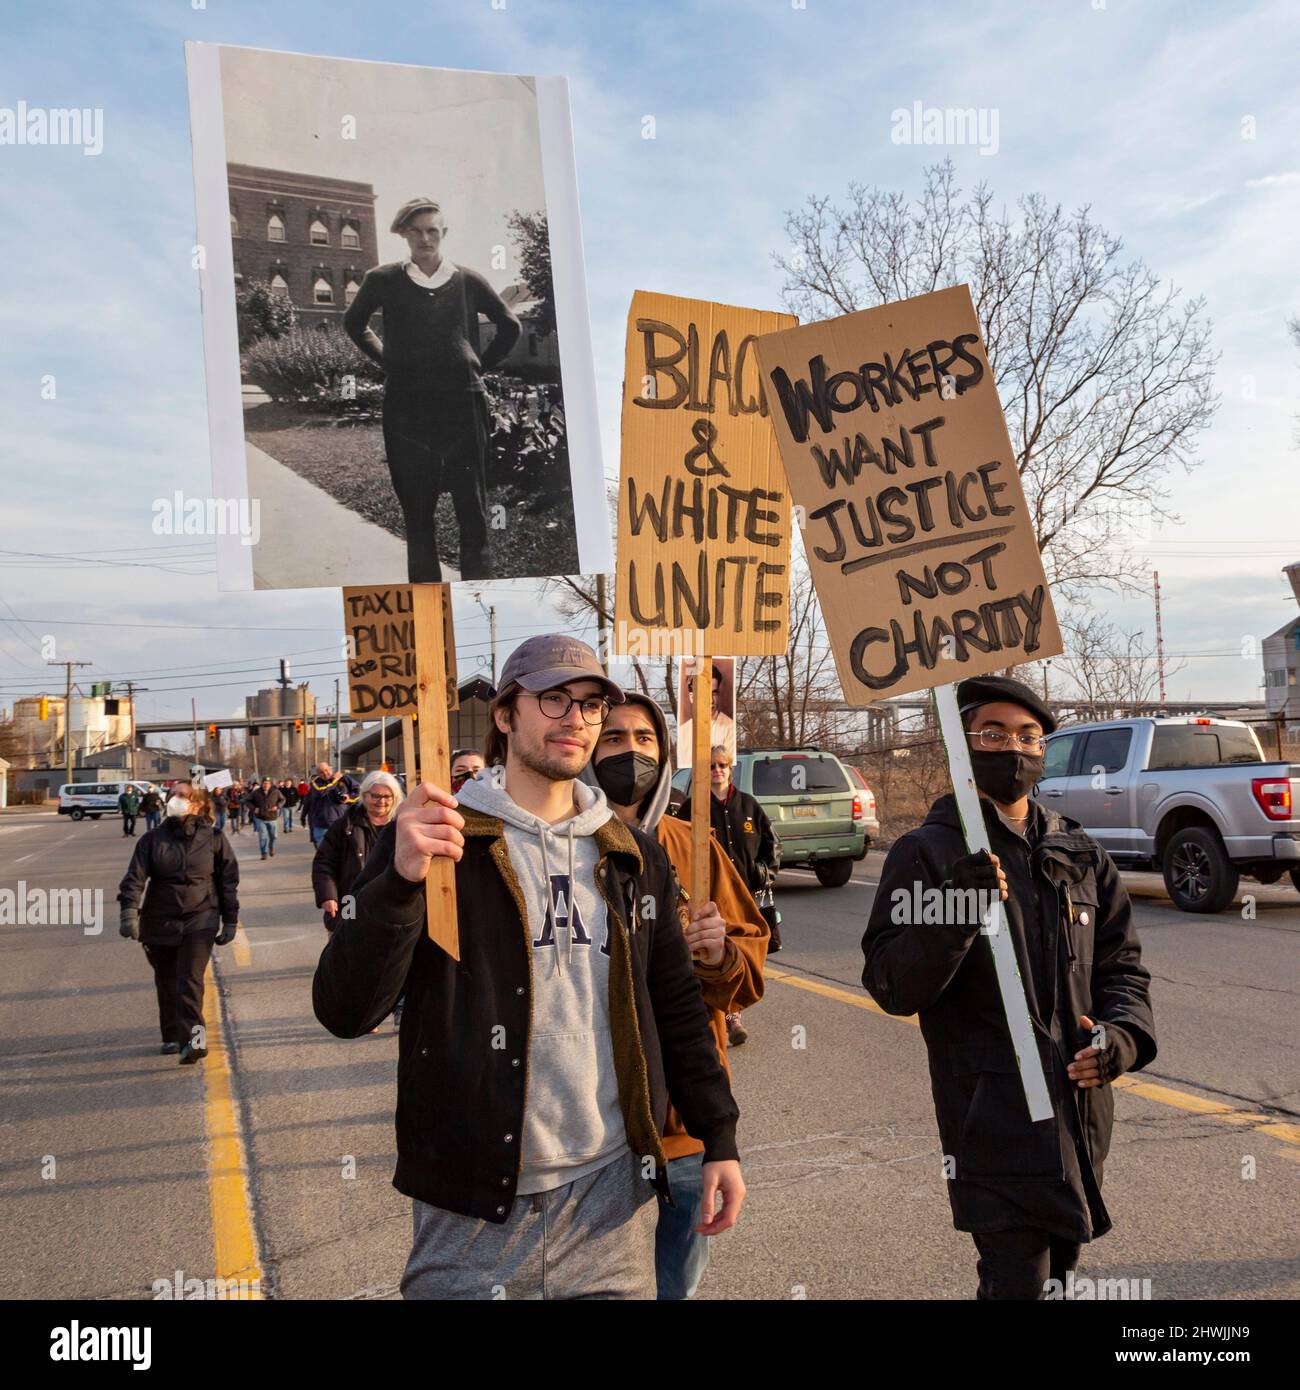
(343, 849)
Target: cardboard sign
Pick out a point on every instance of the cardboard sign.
(921, 546)
(703, 508)
(722, 724)
(379, 625)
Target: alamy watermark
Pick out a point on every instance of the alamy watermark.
(53, 125)
(52, 907)
(920, 124)
(179, 515)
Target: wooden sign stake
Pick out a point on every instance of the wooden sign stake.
(1010, 984)
(409, 764)
(431, 602)
(701, 782)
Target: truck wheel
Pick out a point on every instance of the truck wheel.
(833, 873)
(77, 813)
(1199, 876)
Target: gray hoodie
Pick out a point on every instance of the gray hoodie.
(573, 1122)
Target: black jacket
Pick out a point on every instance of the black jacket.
(341, 855)
(1078, 952)
(192, 876)
(460, 1099)
(291, 797)
(265, 802)
(744, 832)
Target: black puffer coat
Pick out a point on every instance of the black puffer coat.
(341, 855)
(1078, 952)
(192, 879)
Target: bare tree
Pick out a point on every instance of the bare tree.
(1109, 666)
(1104, 371)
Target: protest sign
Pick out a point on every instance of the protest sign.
(920, 544)
(379, 631)
(703, 508)
(915, 526)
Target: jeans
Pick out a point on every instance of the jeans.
(266, 830)
(317, 833)
(436, 442)
(1015, 1264)
(220, 812)
(681, 1254)
(286, 815)
(128, 823)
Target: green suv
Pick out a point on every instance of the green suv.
(818, 813)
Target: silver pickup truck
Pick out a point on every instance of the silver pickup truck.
(1192, 797)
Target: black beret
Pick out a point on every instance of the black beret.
(985, 690)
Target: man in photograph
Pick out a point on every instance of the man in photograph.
(435, 407)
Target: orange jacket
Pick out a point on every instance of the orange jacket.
(736, 981)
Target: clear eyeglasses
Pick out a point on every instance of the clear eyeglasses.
(999, 740)
(555, 704)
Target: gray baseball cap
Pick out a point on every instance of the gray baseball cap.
(541, 663)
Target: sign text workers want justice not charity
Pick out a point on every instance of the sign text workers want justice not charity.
(921, 546)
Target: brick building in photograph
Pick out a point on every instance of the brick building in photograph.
(310, 237)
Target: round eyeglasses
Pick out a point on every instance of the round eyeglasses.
(555, 704)
(1000, 740)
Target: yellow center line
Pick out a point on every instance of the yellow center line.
(1148, 1090)
(234, 1242)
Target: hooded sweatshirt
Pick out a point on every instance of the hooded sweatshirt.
(736, 981)
(573, 1123)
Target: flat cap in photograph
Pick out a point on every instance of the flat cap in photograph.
(409, 209)
(542, 663)
(987, 690)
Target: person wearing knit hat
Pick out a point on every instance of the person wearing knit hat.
(435, 407)
(1029, 1193)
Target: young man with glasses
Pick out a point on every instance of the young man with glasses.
(1029, 1193)
(534, 1072)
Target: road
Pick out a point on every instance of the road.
(272, 1160)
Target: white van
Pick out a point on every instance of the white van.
(95, 799)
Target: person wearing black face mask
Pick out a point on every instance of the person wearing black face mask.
(465, 763)
(728, 939)
(1029, 1193)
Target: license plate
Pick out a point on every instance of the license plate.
(805, 812)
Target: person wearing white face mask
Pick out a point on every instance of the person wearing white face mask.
(179, 898)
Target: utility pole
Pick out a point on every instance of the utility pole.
(67, 712)
(194, 719)
(492, 632)
(1160, 643)
(130, 695)
(602, 642)
(302, 710)
(337, 730)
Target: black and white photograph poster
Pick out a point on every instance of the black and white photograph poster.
(398, 352)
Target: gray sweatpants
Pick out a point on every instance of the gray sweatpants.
(594, 1238)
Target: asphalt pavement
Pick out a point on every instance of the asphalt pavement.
(271, 1161)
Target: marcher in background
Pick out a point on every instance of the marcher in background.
(528, 1162)
(219, 806)
(746, 836)
(129, 805)
(329, 795)
(303, 788)
(180, 897)
(151, 807)
(265, 803)
(465, 763)
(289, 790)
(342, 854)
(727, 936)
(1029, 1193)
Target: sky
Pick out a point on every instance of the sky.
(1178, 124)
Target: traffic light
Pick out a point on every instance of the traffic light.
(45, 708)
(297, 726)
(212, 731)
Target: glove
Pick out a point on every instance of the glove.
(227, 933)
(977, 871)
(129, 923)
